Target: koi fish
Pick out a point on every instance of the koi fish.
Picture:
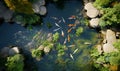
(55, 18)
(71, 46)
(71, 56)
(57, 25)
(63, 19)
(68, 38)
(71, 25)
(75, 51)
(62, 33)
(72, 17)
(69, 30)
(65, 41)
(59, 21)
(56, 29)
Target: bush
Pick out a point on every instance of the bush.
(36, 53)
(15, 63)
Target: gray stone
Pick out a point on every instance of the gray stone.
(5, 12)
(4, 51)
(13, 51)
(94, 22)
(41, 47)
(110, 36)
(92, 12)
(42, 10)
(107, 48)
(99, 48)
(46, 49)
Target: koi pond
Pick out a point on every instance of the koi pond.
(70, 52)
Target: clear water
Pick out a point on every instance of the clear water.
(15, 34)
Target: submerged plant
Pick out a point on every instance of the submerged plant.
(15, 63)
(56, 37)
(49, 25)
(61, 49)
(79, 31)
(26, 19)
(36, 53)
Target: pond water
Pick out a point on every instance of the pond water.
(15, 34)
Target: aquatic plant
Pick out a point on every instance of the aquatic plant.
(26, 19)
(49, 25)
(36, 53)
(79, 30)
(61, 49)
(15, 63)
(56, 37)
(20, 6)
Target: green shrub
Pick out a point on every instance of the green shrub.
(36, 53)
(15, 63)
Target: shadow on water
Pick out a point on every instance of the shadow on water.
(14, 34)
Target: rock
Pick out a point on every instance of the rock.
(110, 36)
(13, 51)
(41, 2)
(50, 39)
(77, 22)
(36, 8)
(49, 35)
(92, 12)
(4, 51)
(107, 48)
(42, 10)
(88, 6)
(41, 47)
(5, 12)
(94, 22)
(46, 49)
(99, 48)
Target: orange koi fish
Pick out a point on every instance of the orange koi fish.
(72, 17)
(68, 38)
(69, 30)
(71, 25)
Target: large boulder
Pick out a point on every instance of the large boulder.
(13, 51)
(5, 12)
(4, 51)
(92, 12)
(110, 36)
(42, 10)
(94, 22)
(107, 48)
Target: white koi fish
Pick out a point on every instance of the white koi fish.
(57, 25)
(55, 18)
(63, 19)
(59, 21)
(71, 56)
(75, 51)
(62, 33)
(56, 29)
(71, 46)
(65, 41)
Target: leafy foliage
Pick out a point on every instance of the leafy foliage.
(102, 3)
(79, 31)
(15, 63)
(26, 19)
(37, 53)
(21, 6)
(56, 37)
(61, 49)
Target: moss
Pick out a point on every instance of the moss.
(36, 53)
